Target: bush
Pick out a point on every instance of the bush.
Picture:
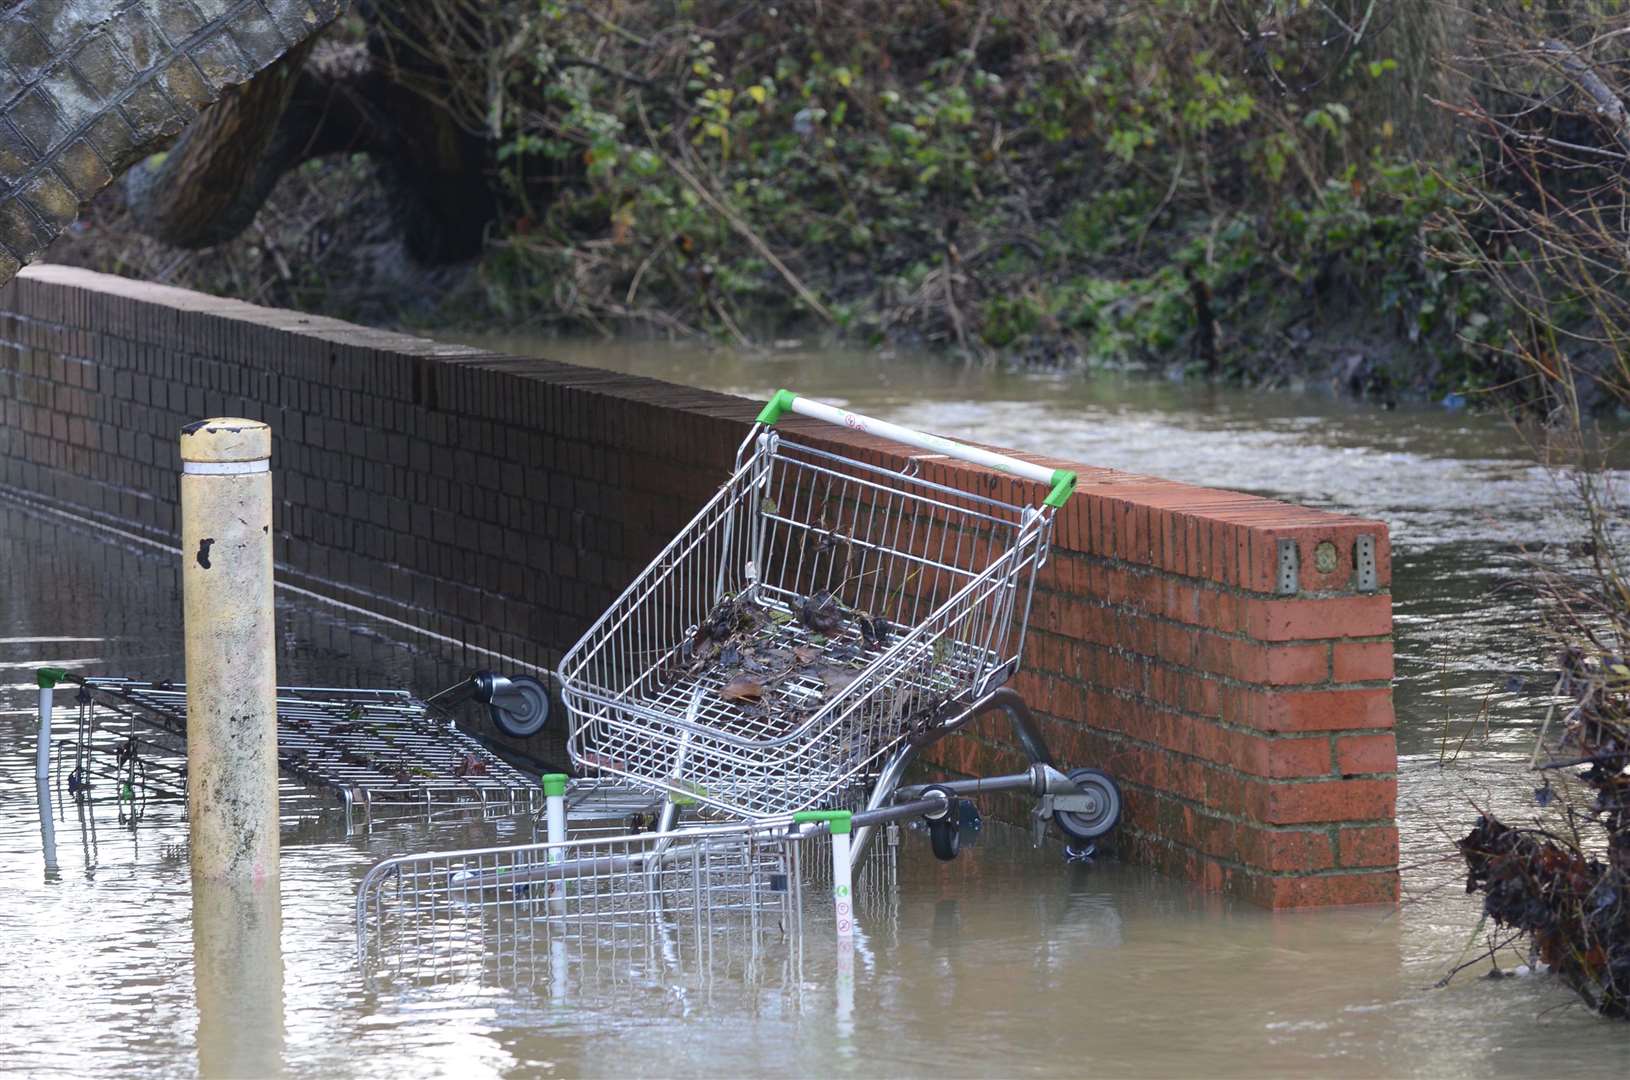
(981, 174)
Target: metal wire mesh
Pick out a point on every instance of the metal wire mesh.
(604, 909)
(372, 748)
(934, 585)
(652, 895)
(128, 759)
(495, 952)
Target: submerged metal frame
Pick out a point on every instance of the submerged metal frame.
(371, 749)
(1052, 788)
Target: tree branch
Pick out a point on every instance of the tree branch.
(1608, 105)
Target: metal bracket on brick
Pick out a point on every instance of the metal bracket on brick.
(1290, 568)
(1368, 578)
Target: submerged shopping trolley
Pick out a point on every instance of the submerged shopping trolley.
(820, 621)
(595, 902)
(771, 676)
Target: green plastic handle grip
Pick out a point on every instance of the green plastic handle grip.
(1063, 488)
(777, 407)
(837, 821)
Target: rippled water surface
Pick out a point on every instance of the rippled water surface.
(1007, 961)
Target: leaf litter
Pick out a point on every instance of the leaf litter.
(777, 669)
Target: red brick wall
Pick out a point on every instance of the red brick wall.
(504, 502)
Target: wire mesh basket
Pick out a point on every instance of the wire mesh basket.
(615, 906)
(856, 605)
(601, 891)
(368, 749)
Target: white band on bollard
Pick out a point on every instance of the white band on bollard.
(226, 468)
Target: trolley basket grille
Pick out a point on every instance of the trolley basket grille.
(876, 605)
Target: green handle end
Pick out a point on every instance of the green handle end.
(554, 783)
(48, 677)
(1063, 488)
(686, 792)
(776, 407)
(837, 821)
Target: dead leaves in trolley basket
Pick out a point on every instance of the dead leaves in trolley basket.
(777, 669)
(743, 688)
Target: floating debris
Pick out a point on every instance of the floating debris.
(1567, 887)
(1572, 907)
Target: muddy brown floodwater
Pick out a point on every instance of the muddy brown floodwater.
(1005, 962)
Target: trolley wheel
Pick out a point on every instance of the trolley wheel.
(1105, 807)
(945, 831)
(529, 711)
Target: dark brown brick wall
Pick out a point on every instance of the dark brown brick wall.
(504, 502)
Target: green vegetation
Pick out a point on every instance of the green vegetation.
(1126, 183)
(1255, 189)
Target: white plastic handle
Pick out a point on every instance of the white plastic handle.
(1062, 481)
(820, 410)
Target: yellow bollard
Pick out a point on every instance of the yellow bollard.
(226, 585)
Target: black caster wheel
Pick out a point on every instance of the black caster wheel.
(945, 831)
(945, 837)
(1084, 827)
(525, 709)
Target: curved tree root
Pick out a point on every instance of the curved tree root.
(101, 85)
(343, 99)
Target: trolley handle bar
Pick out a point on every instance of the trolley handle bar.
(843, 821)
(931, 799)
(1062, 481)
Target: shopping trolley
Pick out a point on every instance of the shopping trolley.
(815, 625)
(593, 900)
(770, 677)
